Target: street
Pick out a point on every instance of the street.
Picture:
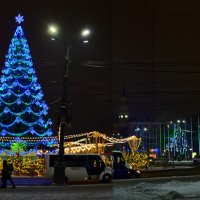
(152, 188)
(69, 192)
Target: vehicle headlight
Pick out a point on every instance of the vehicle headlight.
(138, 172)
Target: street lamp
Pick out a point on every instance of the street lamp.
(85, 32)
(53, 30)
(64, 117)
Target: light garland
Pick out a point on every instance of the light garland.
(22, 110)
(26, 166)
(90, 134)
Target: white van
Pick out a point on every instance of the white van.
(80, 167)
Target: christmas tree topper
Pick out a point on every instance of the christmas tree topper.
(19, 19)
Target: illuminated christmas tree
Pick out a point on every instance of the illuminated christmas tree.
(23, 113)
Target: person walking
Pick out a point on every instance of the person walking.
(6, 174)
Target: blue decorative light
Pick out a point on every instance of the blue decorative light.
(22, 110)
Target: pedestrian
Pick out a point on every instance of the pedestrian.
(6, 174)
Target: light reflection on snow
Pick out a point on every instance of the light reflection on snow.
(159, 191)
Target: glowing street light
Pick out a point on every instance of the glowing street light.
(53, 30)
(64, 117)
(85, 32)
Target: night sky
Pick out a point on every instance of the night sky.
(151, 47)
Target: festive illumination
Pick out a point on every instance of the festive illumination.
(19, 19)
(136, 160)
(92, 142)
(26, 166)
(178, 147)
(95, 142)
(92, 134)
(22, 110)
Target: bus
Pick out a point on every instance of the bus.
(121, 169)
(80, 167)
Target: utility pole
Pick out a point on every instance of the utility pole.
(64, 122)
(65, 113)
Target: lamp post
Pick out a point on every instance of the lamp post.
(65, 112)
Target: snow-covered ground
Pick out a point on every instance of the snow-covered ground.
(159, 191)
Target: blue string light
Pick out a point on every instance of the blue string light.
(22, 110)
